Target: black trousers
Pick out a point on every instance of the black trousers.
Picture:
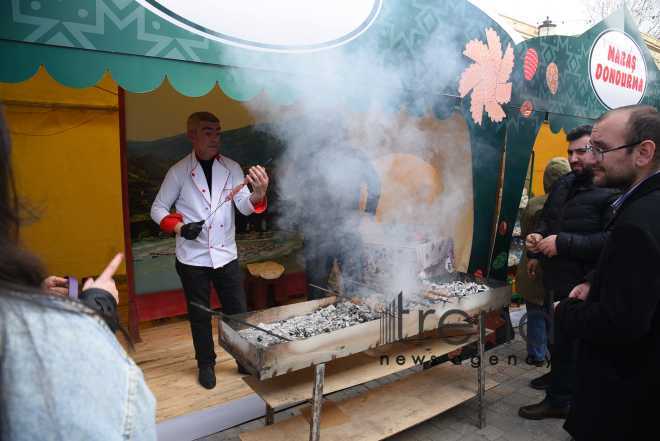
(563, 367)
(196, 281)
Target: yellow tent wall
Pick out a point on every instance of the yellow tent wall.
(548, 145)
(66, 159)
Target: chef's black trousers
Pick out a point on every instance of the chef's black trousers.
(196, 281)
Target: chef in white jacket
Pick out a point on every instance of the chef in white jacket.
(203, 188)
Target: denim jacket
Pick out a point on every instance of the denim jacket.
(64, 375)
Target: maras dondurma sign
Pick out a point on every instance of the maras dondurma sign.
(617, 69)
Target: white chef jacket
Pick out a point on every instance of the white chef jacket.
(186, 188)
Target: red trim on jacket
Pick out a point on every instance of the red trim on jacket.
(170, 221)
(261, 206)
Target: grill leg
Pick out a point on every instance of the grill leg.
(481, 380)
(270, 415)
(317, 402)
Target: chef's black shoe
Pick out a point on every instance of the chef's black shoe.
(207, 376)
(242, 370)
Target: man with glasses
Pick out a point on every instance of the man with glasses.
(566, 243)
(616, 317)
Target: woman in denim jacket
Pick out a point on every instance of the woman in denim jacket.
(63, 375)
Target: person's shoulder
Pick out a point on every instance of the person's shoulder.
(26, 300)
(62, 320)
(182, 164)
(180, 168)
(644, 209)
(538, 200)
(605, 191)
(602, 196)
(535, 204)
(562, 183)
(78, 360)
(567, 178)
(641, 215)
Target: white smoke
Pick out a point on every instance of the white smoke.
(356, 98)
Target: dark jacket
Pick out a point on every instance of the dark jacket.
(618, 328)
(102, 302)
(532, 289)
(577, 212)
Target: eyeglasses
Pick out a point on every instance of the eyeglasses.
(580, 151)
(600, 153)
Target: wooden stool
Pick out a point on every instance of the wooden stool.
(263, 293)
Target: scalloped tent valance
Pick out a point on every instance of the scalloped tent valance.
(195, 45)
(83, 68)
(140, 42)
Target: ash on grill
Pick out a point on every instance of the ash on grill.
(457, 288)
(363, 309)
(431, 294)
(434, 293)
(327, 319)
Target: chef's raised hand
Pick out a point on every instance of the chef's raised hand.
(258, 179)
(191, 231)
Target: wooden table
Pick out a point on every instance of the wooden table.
(380, 412)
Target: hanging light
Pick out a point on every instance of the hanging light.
(546, 28)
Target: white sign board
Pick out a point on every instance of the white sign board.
(617, 70)
(282, 25)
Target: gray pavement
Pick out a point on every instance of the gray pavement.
(460, 423)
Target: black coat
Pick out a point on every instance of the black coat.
(577, 212)
(618, 328)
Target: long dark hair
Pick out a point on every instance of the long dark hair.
(18, 268)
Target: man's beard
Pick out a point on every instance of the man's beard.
(621, 181)
(586, 174)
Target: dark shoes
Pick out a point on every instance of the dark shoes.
(543, 410)
(207, 376)
(541, 383)
(537, 363)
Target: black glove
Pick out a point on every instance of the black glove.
(191, 231)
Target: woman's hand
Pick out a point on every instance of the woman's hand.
(105, 280)
(56, 285)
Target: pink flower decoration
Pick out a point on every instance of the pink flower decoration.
(487, 77)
